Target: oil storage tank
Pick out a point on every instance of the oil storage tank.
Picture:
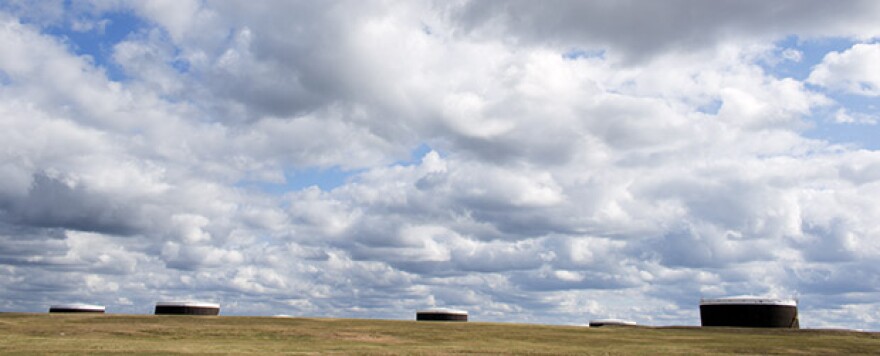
(76, 308)
(611, 322)
(187, 308)
(748, 311)
(441, 314)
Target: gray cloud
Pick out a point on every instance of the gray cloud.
(51, 203)
(555, 188)
(640, 30)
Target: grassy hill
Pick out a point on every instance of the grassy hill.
(147, 334)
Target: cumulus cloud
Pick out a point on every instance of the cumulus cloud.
(853, 70)
(661, 165)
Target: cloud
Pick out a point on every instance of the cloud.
(842, 116)
(40, 12)
(639, 31)
(851, 71)
(486, 167)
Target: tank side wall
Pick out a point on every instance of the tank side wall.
(440, 317)
(596, 325)
(746, 315)
(184, 310)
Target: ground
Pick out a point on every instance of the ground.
(148, 334)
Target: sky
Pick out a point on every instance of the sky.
(537, 162)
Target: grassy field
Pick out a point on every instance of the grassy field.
(147, 334)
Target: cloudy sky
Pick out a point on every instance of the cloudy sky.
(540, 162)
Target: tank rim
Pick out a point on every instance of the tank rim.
(77, 306)
(442, 311)
(190, 304)
(749, 301)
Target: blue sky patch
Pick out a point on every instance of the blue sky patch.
(803, 56)
(325, 178)
(298, 179)
(98, 41)
(415, 157)
(4, 78)
(812, 51)
(863, 135)
(578, 53)
(711, 108)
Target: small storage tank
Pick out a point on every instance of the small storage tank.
(187, 308)
(611, 322)
(76, 308)
(752, 312)
(441, 314)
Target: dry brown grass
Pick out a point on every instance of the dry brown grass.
(146, 334)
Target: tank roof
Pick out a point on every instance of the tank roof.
(749, 300)
(442, 311)
(190, 304)
(613, 322)
(77, 306)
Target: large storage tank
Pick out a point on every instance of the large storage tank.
(611, 322)
(441, 314)
(754, 312)
(76, 308)
(187, 308)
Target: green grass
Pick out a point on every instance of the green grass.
(147, 334)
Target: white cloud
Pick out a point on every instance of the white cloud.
(853, 70)
(555, 189)
(842, 116)
(791, 54)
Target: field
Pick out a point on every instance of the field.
(147, 334)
